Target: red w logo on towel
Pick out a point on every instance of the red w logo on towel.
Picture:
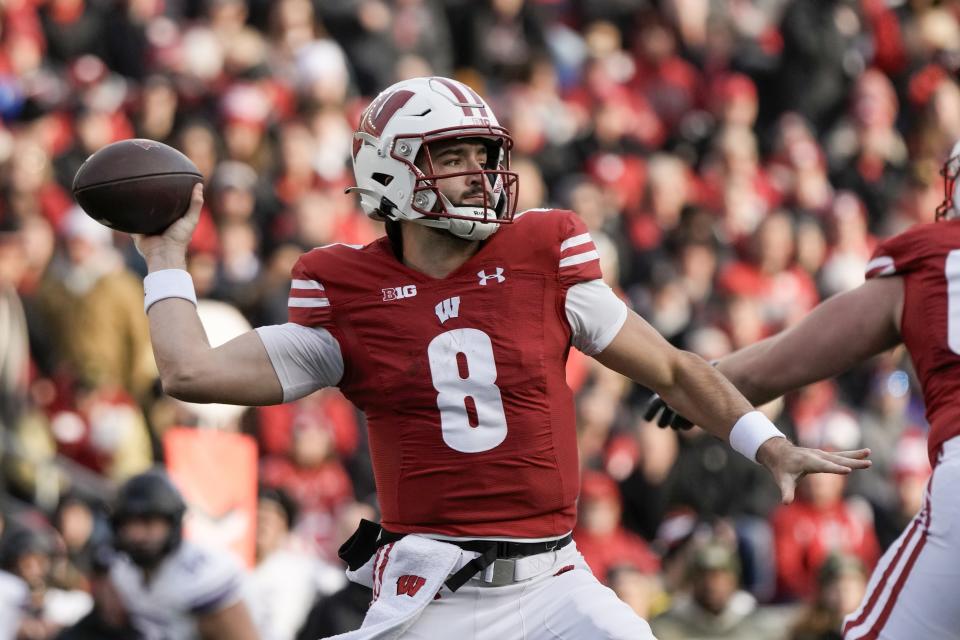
(409, 585)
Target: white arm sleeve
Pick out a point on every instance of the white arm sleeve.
(595, 314)
(305, 358)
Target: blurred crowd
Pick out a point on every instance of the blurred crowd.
(736, 163)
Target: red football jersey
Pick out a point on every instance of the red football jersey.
(927, 256)
(471, 422)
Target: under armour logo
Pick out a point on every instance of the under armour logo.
(409, 585)
(498, 276)
(449, 308)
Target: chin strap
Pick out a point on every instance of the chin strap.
(478, 229)
(463, 228)
(472, 229)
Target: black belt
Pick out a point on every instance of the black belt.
(369, 536)
(492, 550)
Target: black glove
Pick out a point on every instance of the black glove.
(668, 417)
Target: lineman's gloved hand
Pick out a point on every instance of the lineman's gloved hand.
(668, 417)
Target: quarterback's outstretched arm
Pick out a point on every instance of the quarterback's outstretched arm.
(840, 332)
(683, 379)
(238, 372)
(697, 390)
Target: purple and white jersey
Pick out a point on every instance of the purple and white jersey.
(192, 581)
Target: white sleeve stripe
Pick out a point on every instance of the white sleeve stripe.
(574, 241)
(534, 210)
(342, 244)
(308, 302)
(884, 263)
(579, 259)
(305, 284)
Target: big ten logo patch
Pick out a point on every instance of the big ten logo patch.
(398, 293)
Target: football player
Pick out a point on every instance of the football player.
(171, 588)
(451, 333)
(911, 297)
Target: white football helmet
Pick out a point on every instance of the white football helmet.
(950, 207)
(398, 125)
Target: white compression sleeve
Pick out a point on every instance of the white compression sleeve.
(595, 314)
(305, 358)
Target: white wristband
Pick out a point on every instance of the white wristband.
(167, 283)
(751, 431)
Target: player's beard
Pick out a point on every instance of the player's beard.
(145, 556)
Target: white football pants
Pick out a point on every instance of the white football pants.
(914, 591)
(570, 606)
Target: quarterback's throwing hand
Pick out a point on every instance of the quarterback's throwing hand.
(176, 237)
(668, 417)
(788, 463)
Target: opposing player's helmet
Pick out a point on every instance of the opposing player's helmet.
(149, 494)
(950, 207)
(396, 128)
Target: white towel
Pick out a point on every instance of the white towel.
(405, 577)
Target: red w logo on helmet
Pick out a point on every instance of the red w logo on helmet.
(409, 585)
(376, 116)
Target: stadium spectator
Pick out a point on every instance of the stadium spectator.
(769, 275)
(92, 304)
(715, 607)
(311, 473)
(808, 531)
(84, 533)
(885, 417)
(600, 537)
(820, 58)
(108, 620)
(841, 582)
(911, 471)
(343, 610)
(29, 186)
(14, 343)
(158, 115)
(867, 154)
(15, 621)
(285, 580)
(852, 246)
(29, 555)
(711, 481)
(641, 461)
(797, 167)
(640, 589)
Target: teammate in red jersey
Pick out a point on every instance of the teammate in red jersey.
(451, 334)
(911, 297)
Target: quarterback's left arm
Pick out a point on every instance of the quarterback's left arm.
(232, 622)
(695, 389)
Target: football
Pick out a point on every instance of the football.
(136, 186)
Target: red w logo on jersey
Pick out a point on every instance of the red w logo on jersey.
(409, 585)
